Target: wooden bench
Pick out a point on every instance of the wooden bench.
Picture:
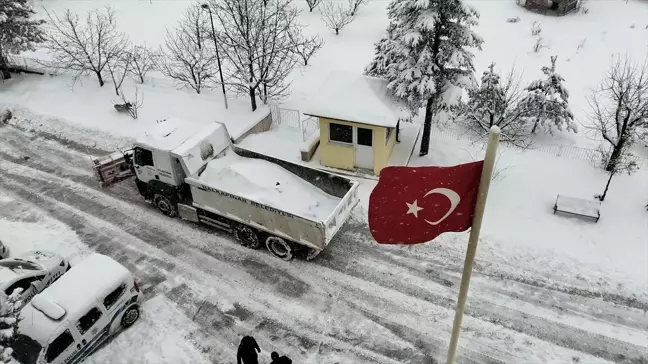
(578, 207)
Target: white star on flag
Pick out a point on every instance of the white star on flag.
(412, 208)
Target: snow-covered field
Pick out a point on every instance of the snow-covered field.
(547, 289)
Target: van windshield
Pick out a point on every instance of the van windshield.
(17, 265)
(25, 349)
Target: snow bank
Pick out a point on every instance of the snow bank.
(158, 337)
(21, 237)
(269, 184)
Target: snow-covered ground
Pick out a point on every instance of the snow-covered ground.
(546, 289)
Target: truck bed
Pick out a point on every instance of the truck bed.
(303, 204)
(269, 184)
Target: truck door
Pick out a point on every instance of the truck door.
(144, 165)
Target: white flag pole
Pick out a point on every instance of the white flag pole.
(484, 184)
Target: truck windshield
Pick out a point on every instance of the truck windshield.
(15, 265)
(25, 349)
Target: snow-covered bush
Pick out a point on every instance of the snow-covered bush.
(536, 29)
(426, 65)
(9, 308)
(547, 102)
(18, 32)
(538, 45)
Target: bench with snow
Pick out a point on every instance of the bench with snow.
(578, 207)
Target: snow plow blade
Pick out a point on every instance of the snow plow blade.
(113, 168)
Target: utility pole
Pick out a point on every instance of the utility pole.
(220, 70)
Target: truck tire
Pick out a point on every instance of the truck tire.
(279, 248)
(165, 206)
(247, 236)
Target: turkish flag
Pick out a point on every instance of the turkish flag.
(413, 205)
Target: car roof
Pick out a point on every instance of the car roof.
(76, 292)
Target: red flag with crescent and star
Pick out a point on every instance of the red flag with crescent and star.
(413, 205)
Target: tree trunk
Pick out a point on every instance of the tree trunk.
(4, 68)
(535, 126)
(253, 98)
(602, 198)
(616, 155)
(427, 128)
(101, 80)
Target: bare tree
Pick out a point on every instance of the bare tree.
(312, 4)
(619, 107)
(625, 163)
(131, 106)
(187, 59)
(335, 15)
(496, 103)
(118, 68)
(256, 39)
(306, 48)
(143, 60)
(85, 47)
(354, 5)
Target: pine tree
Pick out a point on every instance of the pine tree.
(17, 31)
(547, 102)
(497, 103)
(425, 55)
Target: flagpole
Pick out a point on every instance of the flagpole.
(484, 184)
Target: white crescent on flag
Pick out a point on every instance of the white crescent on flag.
(454, 202)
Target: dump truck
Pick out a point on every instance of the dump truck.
(198, 174)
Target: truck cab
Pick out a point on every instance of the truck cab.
(166, 155)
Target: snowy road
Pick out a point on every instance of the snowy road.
(357, 303)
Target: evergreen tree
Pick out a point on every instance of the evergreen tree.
(9, 309)
(17, 31)
(426, 55)
(497, 103)
(547, 102)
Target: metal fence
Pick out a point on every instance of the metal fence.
(558, 150)
(294, 119)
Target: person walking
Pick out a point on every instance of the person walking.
(247, 351)
(276, 359)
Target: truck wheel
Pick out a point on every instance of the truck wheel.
(164, 205)
(131, 315)
(279, 248)
(247, 236)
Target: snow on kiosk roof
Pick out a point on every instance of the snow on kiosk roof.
(357, 98)
(92, 277)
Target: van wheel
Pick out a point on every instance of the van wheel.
(247, 236)
(279, 248)
(164, 205)
(131, 315)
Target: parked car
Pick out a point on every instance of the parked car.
(4, 251)
(73, 317)
(33, 272)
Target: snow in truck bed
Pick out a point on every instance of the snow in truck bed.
(267, 183)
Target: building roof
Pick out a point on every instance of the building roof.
(357, 98)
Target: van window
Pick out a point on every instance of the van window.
(88, 320)
(113, 296)
(59, 345)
